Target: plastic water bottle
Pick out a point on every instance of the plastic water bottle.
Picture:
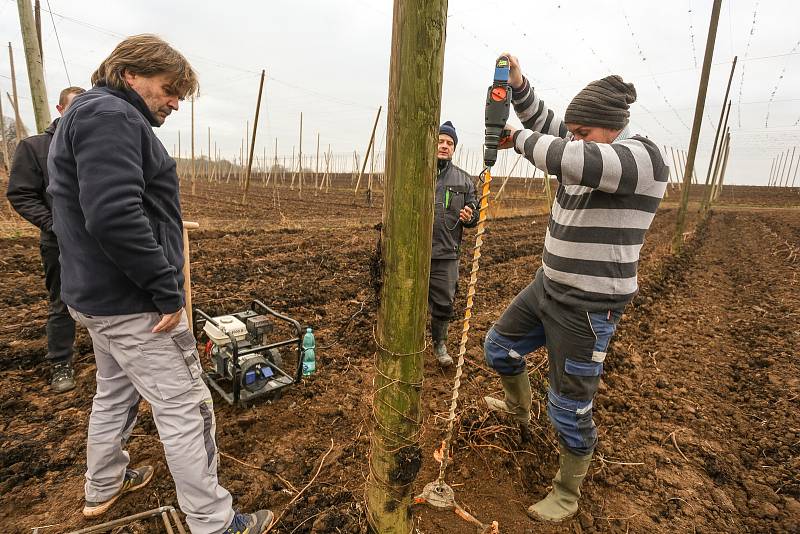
(309, 358)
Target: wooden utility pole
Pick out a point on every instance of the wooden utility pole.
(14, 100)
(717, 161)
(418, 36)
(371, 138)
(194, 169)
(33, 58)
(37, 17)
(677, 239)
(720, 128)
(253, 139)
(208, 161)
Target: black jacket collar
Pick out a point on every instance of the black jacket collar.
(132, 98)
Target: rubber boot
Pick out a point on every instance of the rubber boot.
(439, 335)
(562, 501)
(517, 403)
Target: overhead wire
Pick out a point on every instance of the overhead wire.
(777, 84)
(58, 40)
(644, 60)
(744, 60)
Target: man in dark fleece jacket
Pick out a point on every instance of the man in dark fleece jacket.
(27, 185)
(116, 212)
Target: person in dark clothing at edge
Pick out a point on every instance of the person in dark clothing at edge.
(610, 186)
(116, 212)
(454, 209)
(27, 185)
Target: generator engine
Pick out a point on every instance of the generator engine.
(242, 357)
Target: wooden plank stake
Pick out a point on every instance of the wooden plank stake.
(187, 275)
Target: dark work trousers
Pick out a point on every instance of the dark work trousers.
(442, 288)
(60, 325)
(576, 342)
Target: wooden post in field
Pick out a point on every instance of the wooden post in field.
(187, 275)
(300, 159)
(778, 162)
(418, 36)
(505, 181)
(20, 128)
(294, 172)
(33, 58)
(718, 185)
(548, 192)
(6, 161)
(253, 139)
(369, 148)
(706, 203)
(717, 167)
(720, 128)
(771, 169)
(208, 161)
(785, 181)
(194, 169)
(316, 173)
(677, 239)
(779, 176)
(794, 178)
(37, 20)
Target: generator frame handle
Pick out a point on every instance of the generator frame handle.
(297, 328)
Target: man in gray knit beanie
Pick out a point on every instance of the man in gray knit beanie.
(610, 184)
(602, 103)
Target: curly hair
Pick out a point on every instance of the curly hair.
(147, 55)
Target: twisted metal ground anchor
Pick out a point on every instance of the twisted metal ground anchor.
(437, 493)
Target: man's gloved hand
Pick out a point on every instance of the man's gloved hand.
(507, 141)
(515, 78)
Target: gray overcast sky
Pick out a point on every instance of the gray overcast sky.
(330, 60)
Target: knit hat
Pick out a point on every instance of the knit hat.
(448, 129)
(602, 103)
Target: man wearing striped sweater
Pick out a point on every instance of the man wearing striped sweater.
(610, 186)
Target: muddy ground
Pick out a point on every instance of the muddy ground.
(698, 413)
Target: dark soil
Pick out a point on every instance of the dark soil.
(698, 412)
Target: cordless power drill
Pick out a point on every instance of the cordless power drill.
(498, 106)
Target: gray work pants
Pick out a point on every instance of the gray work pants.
(164, 368)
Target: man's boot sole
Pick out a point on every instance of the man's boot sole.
(96, 511)
(536, 517)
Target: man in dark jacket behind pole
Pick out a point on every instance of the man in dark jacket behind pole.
(117, 215)
(455, 207)
(27, 185)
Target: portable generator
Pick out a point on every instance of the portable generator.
(245, 365)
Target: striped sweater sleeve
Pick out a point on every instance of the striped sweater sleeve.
(631, 165)
(533, 113)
